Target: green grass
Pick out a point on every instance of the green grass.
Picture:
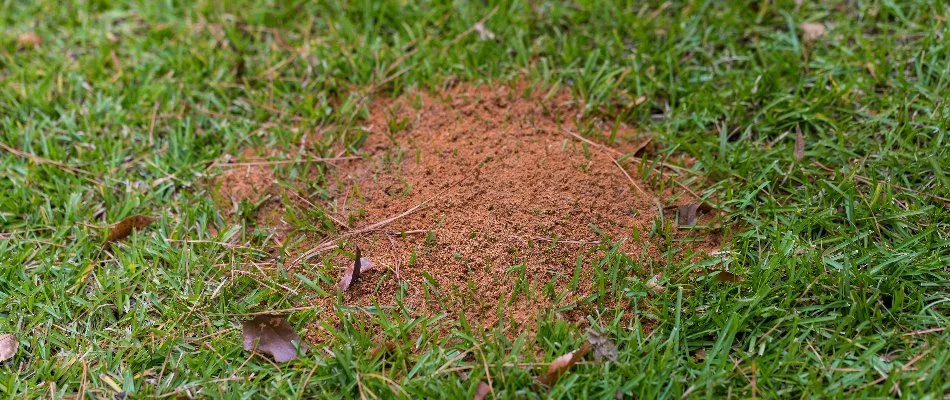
(846, 261)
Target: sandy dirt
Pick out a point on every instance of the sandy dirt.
(510, 201)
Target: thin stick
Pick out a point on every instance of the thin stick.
(412, 232)
(543, 239)
(279, 162)
(924, 331)
(40, 160)
(632, 182)
(151, 124)
(327, 244)
(82, 382)
(472, 28)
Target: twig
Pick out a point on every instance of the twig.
(925, 331)
(82, 382)
(329, 244)
(472, 28)
(40, 160)
(632, 182)
(543, 239)
(278, 162)
(606, 149)
(412, 232)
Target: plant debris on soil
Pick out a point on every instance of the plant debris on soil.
(272, 334)
(486, 196)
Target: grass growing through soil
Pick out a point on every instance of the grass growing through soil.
(123, 108)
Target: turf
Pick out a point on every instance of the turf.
(124, 107)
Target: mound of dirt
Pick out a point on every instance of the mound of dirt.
(489, 202)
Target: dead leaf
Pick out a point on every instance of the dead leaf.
(640, 100)
(726, 276)
(563, 363)
(125, 227)
(272, 334)
(604, 348)
(29, 40)
(360, 265)
(700, 355)
(483, 32)
(8, 346)
(387, 347)
(811, 31)
(799, 144)
(686, 215)
(654, 285)
(482, 392)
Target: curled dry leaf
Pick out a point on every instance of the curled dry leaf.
(125, 227)
(359, 266)
(8, 346)
(799, 144)
(272, 334)
(726, 276)
(563, 363)
(604, 348)
(811, 31)
(482, 392)
(654, 285)
(483, 32)
(686, 215)
(29, 40)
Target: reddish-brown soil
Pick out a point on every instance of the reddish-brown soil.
(509, 202)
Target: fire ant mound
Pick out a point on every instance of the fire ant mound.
(492, 206)
(487, 204)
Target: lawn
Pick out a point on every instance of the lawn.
(841, 234)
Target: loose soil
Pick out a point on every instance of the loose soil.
(511, 202)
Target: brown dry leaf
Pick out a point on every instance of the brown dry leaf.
(654, 285)
(8, 346)
(799, 144)
(483, 32)
(563, 363)
(29, 40)
(482, 392)
(811, 31)
(604, 348)
(360, 265)
(272, 334)
(686, 215)
(126, 226)
(726, 276)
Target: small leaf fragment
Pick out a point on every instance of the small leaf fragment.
(654, 285)
(811, 31)
(28, 40)
(604, 348)
(686, 214)
(8, 346)
(726, 276)
(482, 392)
(799, 144)
(483, 32)
(272, 334)
(353, 272)
(563, 363)
(125, 227)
